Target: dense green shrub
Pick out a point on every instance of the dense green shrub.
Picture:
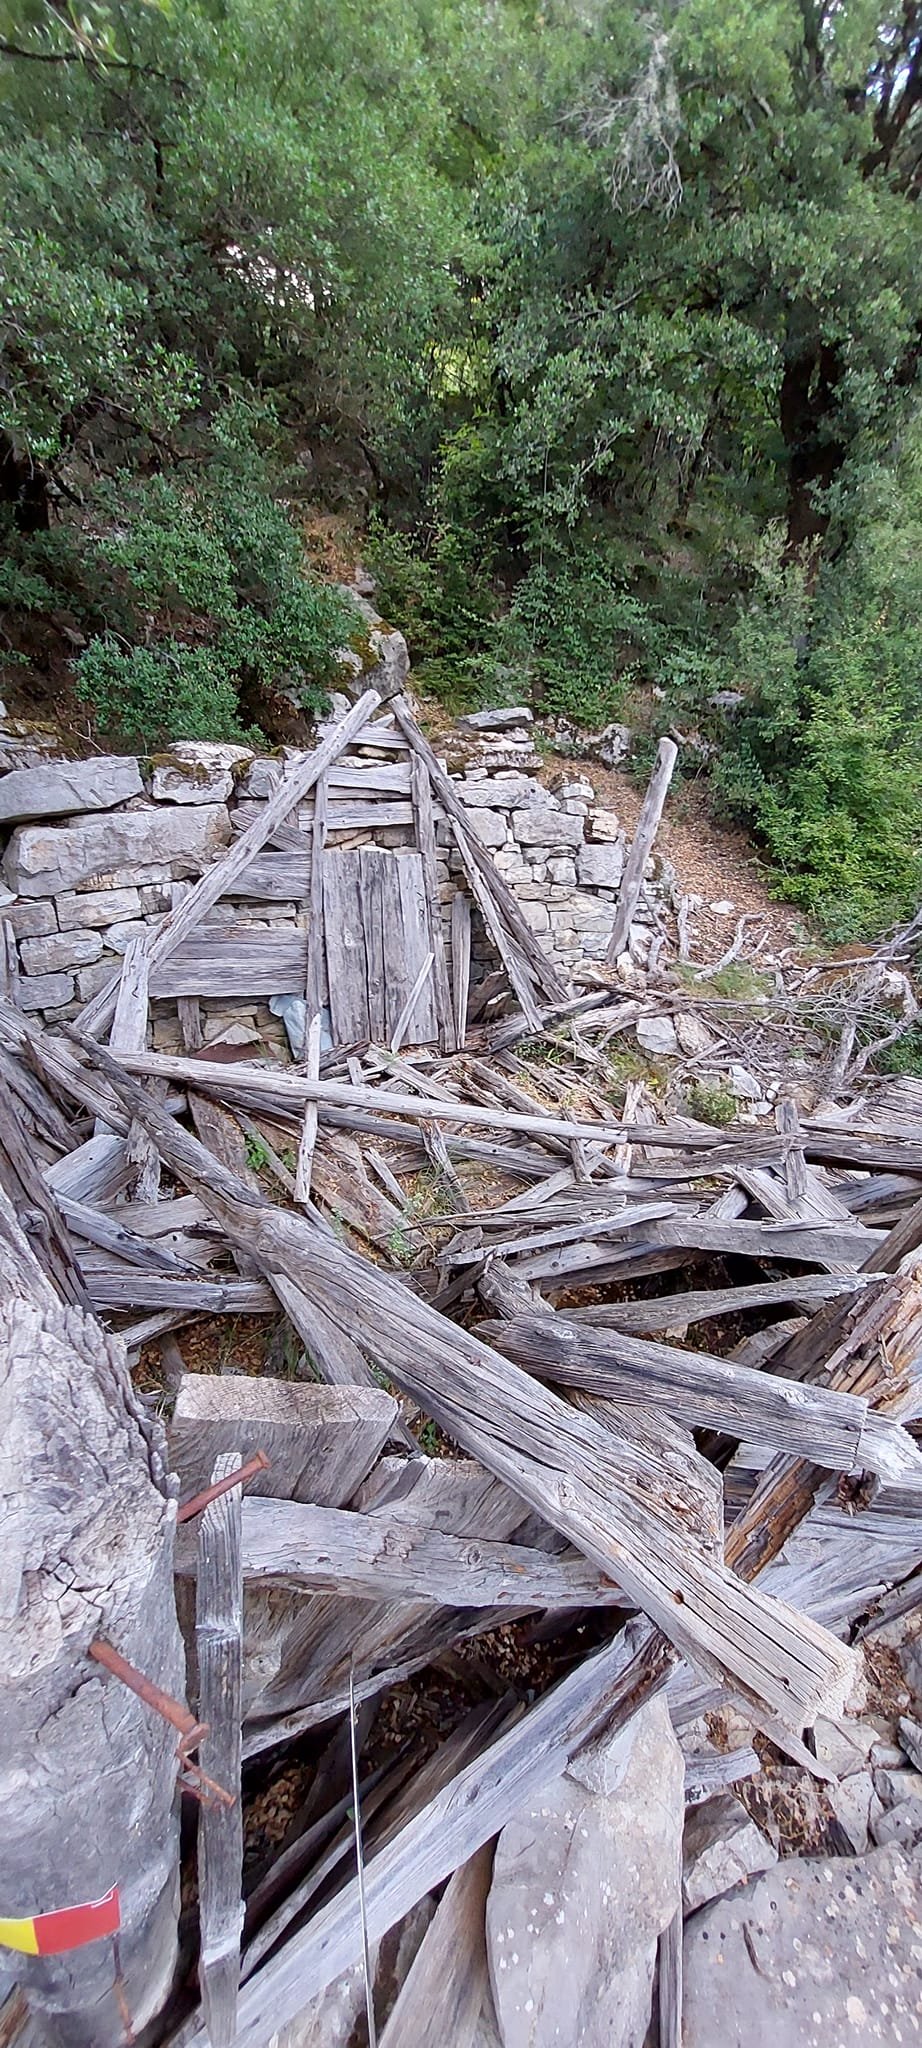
(145, 695)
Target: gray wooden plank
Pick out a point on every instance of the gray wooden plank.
(404, 961)
(425, 839)
(344, 940)
(460, 962)
(372, 866)
(241, 960)
(321, 1441)
(219, 1654)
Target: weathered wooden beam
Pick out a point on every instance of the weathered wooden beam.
(834, 1429)
(651, 812)
(320, 1441)
(704, 1304)
(565, 1464)
(87, 1771)
(219, 1655)
(372, 1557)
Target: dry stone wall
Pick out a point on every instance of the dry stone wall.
(96, 851)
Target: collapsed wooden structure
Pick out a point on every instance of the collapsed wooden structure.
(724, 1516)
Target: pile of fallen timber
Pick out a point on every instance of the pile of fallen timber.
(666, 1376)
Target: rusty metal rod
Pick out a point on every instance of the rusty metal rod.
(191, 1731)
(258, 1463)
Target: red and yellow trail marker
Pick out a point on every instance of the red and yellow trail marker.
(49, 1934)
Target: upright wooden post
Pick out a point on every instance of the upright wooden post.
(667, 754)
(219, 1647)
(87, 1771)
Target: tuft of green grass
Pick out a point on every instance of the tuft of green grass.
(737, 982)
(711, 1103)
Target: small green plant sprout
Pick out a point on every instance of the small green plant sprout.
(711, 1102)
(257, 1153)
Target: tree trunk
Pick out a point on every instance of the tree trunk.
(814, 446)
(87, 1772)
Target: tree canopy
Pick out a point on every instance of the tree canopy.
(605, 322)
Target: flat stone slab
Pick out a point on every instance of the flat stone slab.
(813, 1954)
(60, 788)
(42, 860)
(541, 826)
(500, 720)
(585, 1878)
(722, 1848)
(198, 772)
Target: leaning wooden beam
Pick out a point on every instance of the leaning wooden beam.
(603, 1692)
(88, 1773)
(836, 1430)
(564, 1463)
(647, 828)
(702, 1304)
(545, 972)
(178, 923)
(425, 839)
(370, 1557)
(219, 1653)
(290, 1091)
(441, 1998)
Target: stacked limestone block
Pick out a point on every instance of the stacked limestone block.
(564, 857)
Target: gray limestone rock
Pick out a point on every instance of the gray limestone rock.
(584, 1881)
(59, 788)
(118, 937)
(657, 1035)
(30, 920)
(197, 772)
(500, 720)
(601, 867)
(541, 826)
(96, 909)
(693, 1036)
(852, 1802)
(901, 1824)
(490, 826)
(810, 1955)
(58, 951)
(46, 991)
(911, 1740)
(722, 1848)
(41, 860)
